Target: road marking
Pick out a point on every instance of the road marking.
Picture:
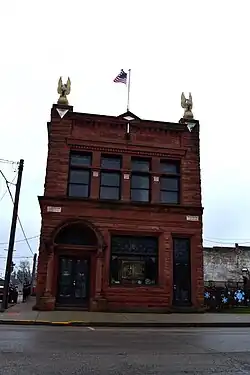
(91, 328)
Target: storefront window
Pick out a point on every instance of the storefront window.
(134, 261)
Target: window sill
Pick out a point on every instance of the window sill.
(118, 203)
(169, 204)
(139, 287)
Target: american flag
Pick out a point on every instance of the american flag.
(121, 78)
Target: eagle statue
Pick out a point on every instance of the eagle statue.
(63, 90)
(187, 104)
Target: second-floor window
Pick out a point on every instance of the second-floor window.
(110, 185)
(170, 182)
(79, 175)
(140, 180)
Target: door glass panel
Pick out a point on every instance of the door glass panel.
(73, 281)
(80, 278)
(65, 282)
(181, 272)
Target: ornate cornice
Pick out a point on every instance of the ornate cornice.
(103, 120)
(120, 148)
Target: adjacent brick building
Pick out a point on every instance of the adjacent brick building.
(121, 214)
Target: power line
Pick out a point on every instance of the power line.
(17, 257)
(18, 241)
(25, 237)
(6, 191)
(5, 179)
(205, 239)
(4, 161)
(226, 243)
(20, 223)
(228, 239)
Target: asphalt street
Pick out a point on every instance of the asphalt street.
(26, 350)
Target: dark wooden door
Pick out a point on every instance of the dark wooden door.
(181, 272)
(73, 281)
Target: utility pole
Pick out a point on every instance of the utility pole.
(33, 273)
(12, 237)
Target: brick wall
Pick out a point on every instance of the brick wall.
(105, 134)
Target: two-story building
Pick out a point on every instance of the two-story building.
(121, 214)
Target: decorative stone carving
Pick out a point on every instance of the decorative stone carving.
(63, 90)
(187, 104)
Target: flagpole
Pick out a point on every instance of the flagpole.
(129, 73)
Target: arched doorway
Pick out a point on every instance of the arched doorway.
(75, 245)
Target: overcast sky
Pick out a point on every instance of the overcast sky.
(170, 46)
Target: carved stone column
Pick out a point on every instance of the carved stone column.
(99, 303)
(99, 275)
(46, 302)
(50, 273)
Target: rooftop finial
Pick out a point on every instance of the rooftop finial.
(187, 104)
(63, 90)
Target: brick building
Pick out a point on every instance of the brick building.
(121, 214)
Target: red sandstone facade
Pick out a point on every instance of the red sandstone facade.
(120, 254)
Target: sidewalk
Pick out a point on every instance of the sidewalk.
(22, 313)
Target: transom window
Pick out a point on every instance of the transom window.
(111, 162)
(140, 165)
(110, 177)
(79, 175)
(170, 182)
(83, 160)
(140, 180)
(134, 261)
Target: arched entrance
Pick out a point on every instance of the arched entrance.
(76, 246)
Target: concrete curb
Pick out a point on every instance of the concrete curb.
(129, 324)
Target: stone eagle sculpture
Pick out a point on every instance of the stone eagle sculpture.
(187, 104)
(63, 90)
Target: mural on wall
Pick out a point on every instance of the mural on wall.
(223, 264)
(226, 276)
